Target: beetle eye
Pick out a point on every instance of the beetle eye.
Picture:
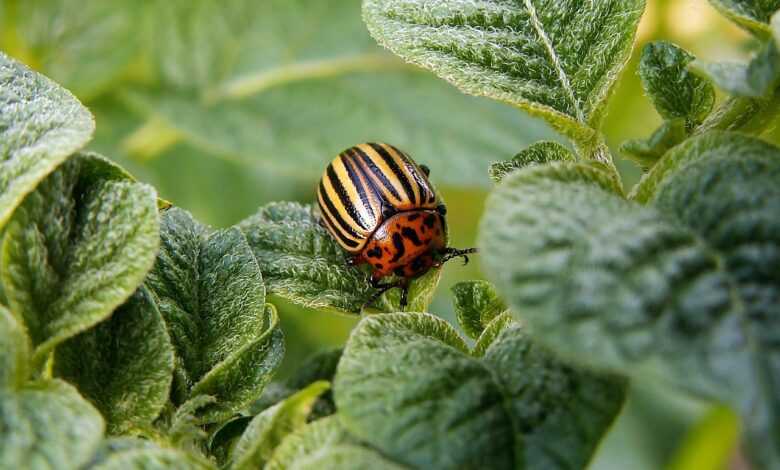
(442, 209)
(387, 211)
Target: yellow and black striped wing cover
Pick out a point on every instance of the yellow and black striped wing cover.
(360, 181)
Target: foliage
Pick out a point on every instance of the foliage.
(134, 336)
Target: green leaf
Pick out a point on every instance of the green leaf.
(302, 263)
(326, 444)
(124, 365)
(41, 124)
(757, 79)
(76, 249)
(647, 152)
(753, 15)
(86, 45)
(538, 153)
(675, 91)
(491, 332)
(476, 305)
(14, 352)
(556, 60)
(267, 430)
(731, 202)
(129, 453)
(211, 294)
(408, 385)
(47, 425)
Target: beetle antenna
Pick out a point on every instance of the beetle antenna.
(451, 253)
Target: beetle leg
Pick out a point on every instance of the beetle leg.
(402, 284)
(451, 253)
(354, 260)
(404, 294)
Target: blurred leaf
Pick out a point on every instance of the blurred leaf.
(325, 444)
(267, 430)
(556, 60)
(77, 248)
(753, 15)
(211, 294)
(85, 45)
(14, 352)
(123, 365)
(647, 152)
(675, 91)
(757, 79)
(407, 384)
(130, 453)
(476, 304)
(41, 124)
(47, 425)
(538, 153)
(710, 445)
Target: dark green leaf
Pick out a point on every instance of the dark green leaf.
(538, 153)
(211, 294)
(41, 124)
(124, 365)
(476, 304)
(77, 248)
(325, 444)
(47, 425)
(647, 152)
(753, 15)
(555, 59)
(267, 430)
(675, 91)
(408, 385)
(129, 453)
(14, 352)
(757, 79)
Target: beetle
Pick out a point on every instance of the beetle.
(379, 206)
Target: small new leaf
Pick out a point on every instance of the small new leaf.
(41, 124)
(124, 365)
(76, 249)
(538, 153)
(14, 352)
(675, 91)
(476, 305)
(557, 60)
(647, 152)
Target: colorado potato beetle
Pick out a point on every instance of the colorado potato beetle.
(378, 204)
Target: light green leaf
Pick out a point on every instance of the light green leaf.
(731, 202)
(753, 15)
(211, 294)
(325, 444)
(675, 91)
(47, 425)
(491, 332)
(408, 385)
(124, 365)
(476, 305)
(711, 145)
(757, 79)
(76, 249)
(14, 352)
(420, 294)
(647, 152)
(41, 124)
(85, 45)
(557, 60)
(538, 153)
(129, 453)
(267, 430)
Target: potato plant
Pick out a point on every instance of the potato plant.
(134, 336)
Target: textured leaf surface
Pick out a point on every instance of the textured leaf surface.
(211, 294)
(555, 59)
(47, 425)
(753, 15)
(14, 351)
(77, 247)
(675, 91)
(538, 153)
(41, 124)
(647, 152)
(476, 305)
(325, 444)
(130, 453)
(408, 385)
(123, 365)
(267, 430)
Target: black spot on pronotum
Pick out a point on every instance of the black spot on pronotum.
(410, 234)
(374, 253)
(398, 243)
(417, 264)
(430, 220)
(413, 217)
(378, 266)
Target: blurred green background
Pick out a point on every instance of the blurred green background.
(225, 106)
